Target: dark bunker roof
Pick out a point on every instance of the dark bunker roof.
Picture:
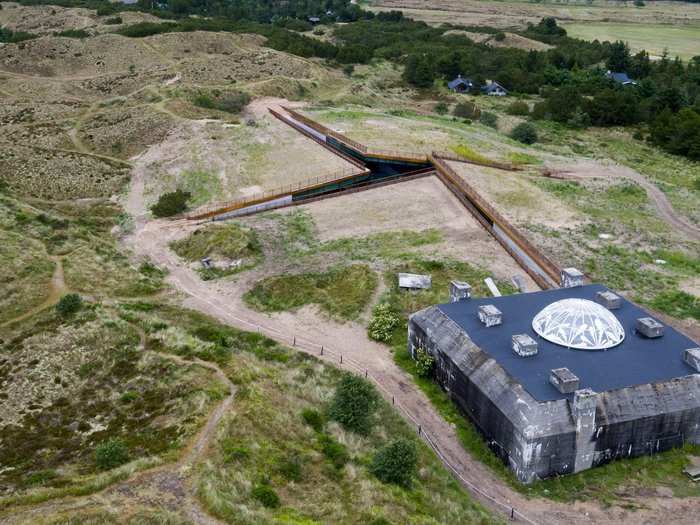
(636, 361)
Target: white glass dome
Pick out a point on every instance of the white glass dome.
(579, 323)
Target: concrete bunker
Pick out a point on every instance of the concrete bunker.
(564, 409)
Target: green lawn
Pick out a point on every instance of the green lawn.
(683, 41)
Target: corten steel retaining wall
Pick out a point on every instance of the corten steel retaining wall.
(538, 440)
(544, 272)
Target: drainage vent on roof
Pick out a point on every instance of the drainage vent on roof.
(564, 380)
(649, 327)
(608, 299)
(571, 277)
(490, 315)
(692, 358)
(524, 345)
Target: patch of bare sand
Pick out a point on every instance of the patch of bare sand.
(263, 156)
(415, 205)
(516, 198)
(691, 286)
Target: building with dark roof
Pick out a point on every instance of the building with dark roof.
(460, 85)
(620, 78)
(494, 89)
(567, 379)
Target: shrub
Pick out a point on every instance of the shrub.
(334, 451)
(441, 108)
(233, 451)
(111, 454)
(424, 363)
(290, 468)
(396, 463)
(170, 204)
(354, 404)
(466, 110)
(489, 119)
(383, 322)
(500, 36)
(525, 133)
(518, 107)
(73, 33)
(69, 304)
(266, 495)
(348, 69)
(313, 418)
(230, 102)
(115, 20)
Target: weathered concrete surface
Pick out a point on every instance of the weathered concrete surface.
(541, 439)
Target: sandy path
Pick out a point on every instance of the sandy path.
(347, 346)
(664, 208)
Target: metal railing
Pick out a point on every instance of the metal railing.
(357, 146)
(508, 166)
(551, 269)
(217, 208)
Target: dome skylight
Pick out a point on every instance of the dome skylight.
(580, 324)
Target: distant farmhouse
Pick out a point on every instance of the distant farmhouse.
(620, 78)
(460, 85)
(494, 89)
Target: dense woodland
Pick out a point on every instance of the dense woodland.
(665, 103)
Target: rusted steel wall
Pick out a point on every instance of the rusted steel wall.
(549, 274)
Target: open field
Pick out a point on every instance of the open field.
(514, 14)
(677, 40)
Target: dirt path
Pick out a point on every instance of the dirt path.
(664, 208)
(57, 287)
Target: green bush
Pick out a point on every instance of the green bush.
(69, 304)
(290, 468)
(111, 454)
(170, 204)
(313, 418)
(441, 108)
(383, 322)
(115, 20)
(518, 107)
(266, 495)
(354, 404)
(230, 102)
(500, 36)
(334, 451)
(424, 363)
(396, 463)
(489, 119)
(466, 110)
(525, 133)
(73, 33)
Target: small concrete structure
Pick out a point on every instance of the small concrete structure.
(693, 473)
(649, 327)
(571, 277)
(459, 291)
(610, 300)
(206, 262)
(692, 358)
(564, 380)
(413, 281)
(524, 345)
(519, 283)
(489, 315)
(491, 285)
